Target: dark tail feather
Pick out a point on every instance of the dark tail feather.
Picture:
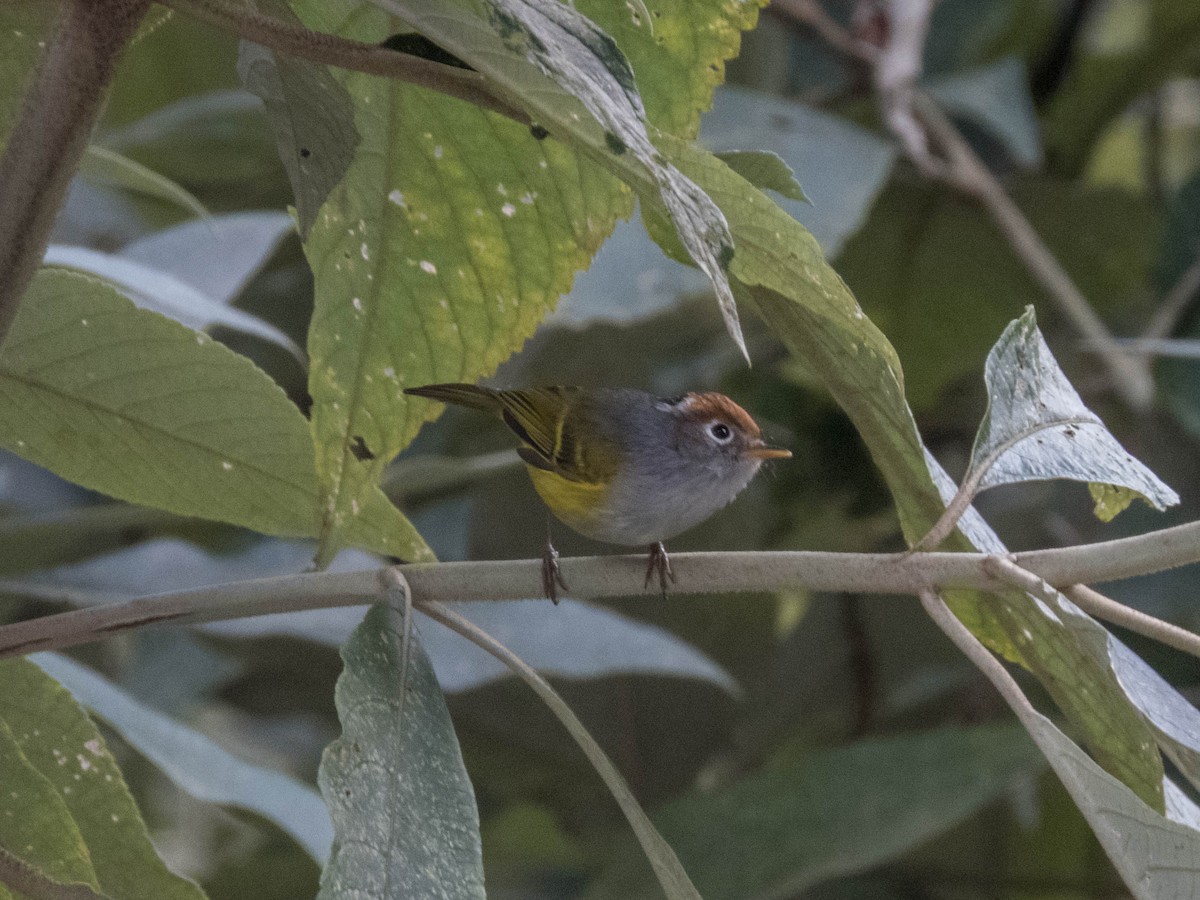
(469, 395)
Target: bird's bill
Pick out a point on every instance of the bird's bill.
(769, 453)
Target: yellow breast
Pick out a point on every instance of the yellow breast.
(577, 503)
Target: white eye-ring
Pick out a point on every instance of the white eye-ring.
(721, 433)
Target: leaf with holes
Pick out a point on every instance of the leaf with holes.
(403, 808)
(571, 77)
(56, 738)
(454, 233)
(1037, 427)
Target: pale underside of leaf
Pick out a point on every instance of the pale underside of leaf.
(403, 808)
(57, 738)
(1037, 426)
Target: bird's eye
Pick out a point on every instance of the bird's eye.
(720, 432)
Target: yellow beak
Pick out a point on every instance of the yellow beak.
(765, 452)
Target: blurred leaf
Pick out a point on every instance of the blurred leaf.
(195, 762)
(403, 808)
(1157, 858)
(99, 164)
(160, 291)
(1103, 80)
(216, 139)
(572, 640)
(1037, 426)
(942, 282)
(996, 98)
(113, 419)
(451, 238)
(766, 171)
(57, 739)
(311, 114)
(1110, 500)
(36, 826)
(1180, 249)
(842, 166)
(835, 812)
(242, 242)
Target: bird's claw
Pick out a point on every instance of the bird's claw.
(552, 578)
(659, 562)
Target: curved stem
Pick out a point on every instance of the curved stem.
(662, 858)
(1096, 604)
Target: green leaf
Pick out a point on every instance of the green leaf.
(129, 403)
(1156, 857)
(995, 98)
(1110, 501)
(403, 808)
(35, 825)
(311, 114)
(195, 762)
(808, 306)
(833, 812)
(1147, 42)
(61, 743)
(571, 77)
(104, 166)
(766, 171)
(1037, 427)
(453, 235)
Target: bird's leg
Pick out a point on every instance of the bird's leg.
(552, 577)
(661, 563)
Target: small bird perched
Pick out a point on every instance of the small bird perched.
(623, 466)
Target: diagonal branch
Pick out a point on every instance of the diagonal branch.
(357, 56)
(60, 107)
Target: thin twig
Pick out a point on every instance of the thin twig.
(1097, 604)
(1174, 304)
(811, 14)
(613, 576)
(357, 56)
(896, 72)
(662, 858)
(981, 656)
(1129, 373)
(967, 172)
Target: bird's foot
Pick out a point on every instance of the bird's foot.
(552, 578)
(659, 562)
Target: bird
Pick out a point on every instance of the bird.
(623, 466)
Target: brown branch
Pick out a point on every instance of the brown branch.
(60, 107)
(357, 56)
